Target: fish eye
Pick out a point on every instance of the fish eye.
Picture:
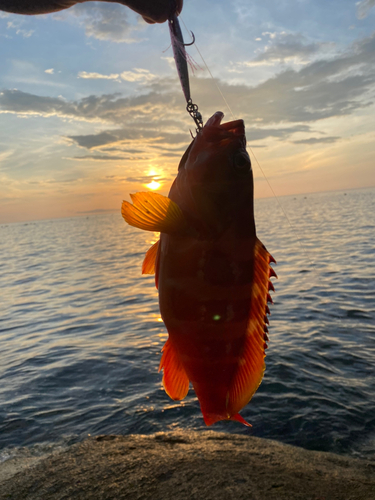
(242, 162)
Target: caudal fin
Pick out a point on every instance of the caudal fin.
(210, 418)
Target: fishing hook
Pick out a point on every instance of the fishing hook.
(191, 43)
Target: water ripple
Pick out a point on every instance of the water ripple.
(81, 336)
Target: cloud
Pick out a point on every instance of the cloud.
(152, 136)
(145, 179)
(318, 140)
(4, 155)
(125, 157)
(138, 179)
(91, 108)
(97, 76)
(103, 21)
(91, 141)
(96, 211)
(257, 134)
(157, 143)
(16, 24)
(25, 33)
(138, 122)
(364, 7)
(137, 75)
(99, 158)
(60, 181)
(170, 60)
(49, 71)
(326, 88)
(155, 121)
(286, 47)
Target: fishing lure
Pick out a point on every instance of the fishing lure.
(181, 58)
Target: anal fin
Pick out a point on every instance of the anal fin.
(175, 380)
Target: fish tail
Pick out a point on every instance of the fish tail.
(240, 419)
(211, 418)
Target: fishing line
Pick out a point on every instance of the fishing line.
(282, 209)
(250, 148)
(208, 69)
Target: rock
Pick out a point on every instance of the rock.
(191, 466)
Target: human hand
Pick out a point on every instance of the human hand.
(152, 11)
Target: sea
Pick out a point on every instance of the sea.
(81, 333)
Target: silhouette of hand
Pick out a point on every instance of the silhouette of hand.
(152, 11)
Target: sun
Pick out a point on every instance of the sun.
(153, 185)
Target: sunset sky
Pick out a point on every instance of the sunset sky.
(91, 107)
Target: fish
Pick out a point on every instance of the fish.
(211, 271)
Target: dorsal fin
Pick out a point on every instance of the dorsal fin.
(175, 380)
(251, 365)
(153, 212)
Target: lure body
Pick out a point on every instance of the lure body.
(181, 59)
(212, 273)
(179, 54)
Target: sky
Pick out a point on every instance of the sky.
(91, 108)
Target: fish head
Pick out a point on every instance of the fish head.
(217, 158)
(215, 180)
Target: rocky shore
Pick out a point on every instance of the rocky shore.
(187, 466)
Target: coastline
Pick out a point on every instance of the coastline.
(187, 465)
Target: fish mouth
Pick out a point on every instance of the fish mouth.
(222, 131)
(236, 127)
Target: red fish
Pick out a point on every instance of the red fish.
(212, 273)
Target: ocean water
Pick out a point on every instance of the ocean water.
(81, 335)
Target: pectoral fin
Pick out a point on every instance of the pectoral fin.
(175, 380)
(251, 365)
(153, 212)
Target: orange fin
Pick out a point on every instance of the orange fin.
(148, 266)
(175, 380)
(251, 365)
(210, 418)
(153, 212)
(240, 419)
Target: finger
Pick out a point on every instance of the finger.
(35, 7)
(157, 11)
